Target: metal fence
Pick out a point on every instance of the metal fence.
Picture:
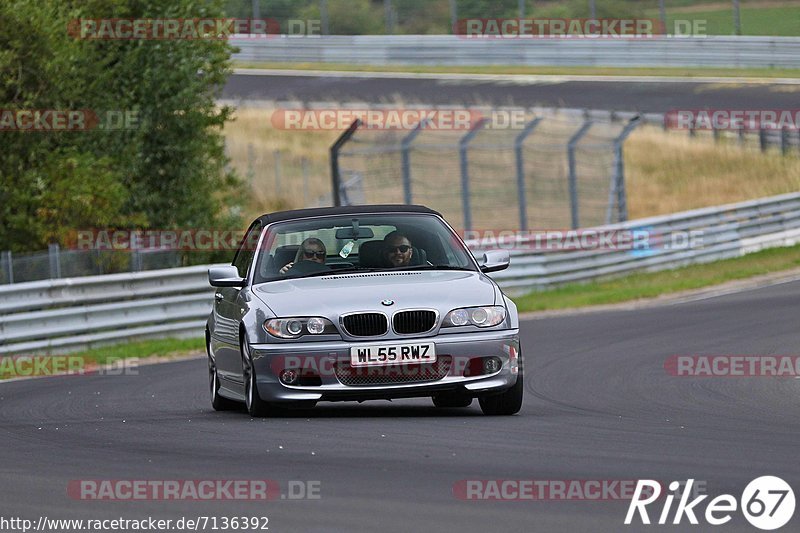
(440, 16)
(62, 315)
(449, 50)
(56, 263)
(554, 171)
(69, 314)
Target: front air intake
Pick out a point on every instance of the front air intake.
(419, 321)
(365, 324)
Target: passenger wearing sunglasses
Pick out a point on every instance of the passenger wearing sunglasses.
(397, 249)
(311, 249)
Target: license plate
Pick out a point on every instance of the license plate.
(393, 354)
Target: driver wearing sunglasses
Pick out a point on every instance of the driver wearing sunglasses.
(311, 249)
(397, 249)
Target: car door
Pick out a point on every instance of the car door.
(228, 312)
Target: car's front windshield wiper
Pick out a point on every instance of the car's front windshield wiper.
(337, 271)
(434, 267)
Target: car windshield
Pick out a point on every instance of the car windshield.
(359, 243)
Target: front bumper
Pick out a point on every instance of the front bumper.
(322, 358)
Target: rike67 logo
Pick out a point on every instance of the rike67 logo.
(767, 503)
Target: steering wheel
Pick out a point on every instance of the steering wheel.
(306, 267)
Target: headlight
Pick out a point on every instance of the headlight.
(291, 328)
(483, 317)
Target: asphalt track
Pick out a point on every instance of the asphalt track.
(651, 96)
(599, 405)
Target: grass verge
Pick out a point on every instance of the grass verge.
(541, 71)
(90, 359)
(650, 285)
(144, 349)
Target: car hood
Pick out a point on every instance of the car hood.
(331, 296)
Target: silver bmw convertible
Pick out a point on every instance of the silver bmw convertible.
(357, 303)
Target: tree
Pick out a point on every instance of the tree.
(167, 171)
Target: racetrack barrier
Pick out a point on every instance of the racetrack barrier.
(63, 315)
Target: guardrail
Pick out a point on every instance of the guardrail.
(67, 314)
(710, 51)
(723, 232)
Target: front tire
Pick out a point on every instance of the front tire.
(218, 402)
(506, 403)
(257, 407)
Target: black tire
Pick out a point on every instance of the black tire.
(218, 402)
(252, 401)
(506, 403)
(451, 400)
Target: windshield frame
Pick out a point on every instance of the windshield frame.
(265, 241)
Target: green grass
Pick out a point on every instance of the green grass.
(117, 352)
(144, 349)
(773, 21)
(650, 285)
(541, 71)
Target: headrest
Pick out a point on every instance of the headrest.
(370, 254)
(284, 255)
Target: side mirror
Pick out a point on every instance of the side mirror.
(225, 276)
(494, 260)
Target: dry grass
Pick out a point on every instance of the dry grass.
(666, 171)
(669, 172)
(251, 143)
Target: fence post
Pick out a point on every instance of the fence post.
(304, 166)
(762, 138)
(463, 145)
(55, 260)
(518, 142)
(784, 141)
(323, 15)
(387, 13)
(9, 266)
(617, 191)
(136, 261)
(573, 173)
(453, 16)
(277, 157)
(405, 157)
(251, 164)
(334, 153)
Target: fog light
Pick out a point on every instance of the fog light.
(289, 376)
(491, 365)
(294, 327)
